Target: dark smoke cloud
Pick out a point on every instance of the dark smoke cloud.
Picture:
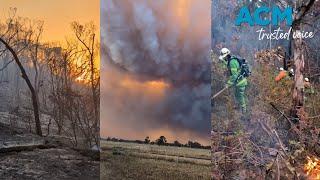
(155, 40)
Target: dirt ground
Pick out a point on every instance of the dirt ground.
(49, 162)
(46, 164)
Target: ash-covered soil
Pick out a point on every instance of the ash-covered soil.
(54, 163)
(51, 160)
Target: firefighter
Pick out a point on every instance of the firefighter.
(291, 73)
(236, 80)
(283, 74)
(308, 89)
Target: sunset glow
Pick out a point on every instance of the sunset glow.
(152, 88)
(182, 7)
(57, 15)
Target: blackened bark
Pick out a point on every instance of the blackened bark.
(32, 90)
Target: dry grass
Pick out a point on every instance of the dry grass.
(141, 161)
(163, 150)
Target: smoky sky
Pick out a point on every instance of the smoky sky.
(155, 41)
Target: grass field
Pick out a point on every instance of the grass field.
(143, 161)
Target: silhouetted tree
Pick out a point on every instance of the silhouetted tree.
(86, 35)
(177, 143)
(161, 141)
(147, 140)
(194, 144)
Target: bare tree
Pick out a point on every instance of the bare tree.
(16, 39)
(34, 51)
(85, 34)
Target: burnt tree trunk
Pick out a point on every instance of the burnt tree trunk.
(95, 97)
(32, 90)
(299, 59)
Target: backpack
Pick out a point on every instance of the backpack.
(244, 66)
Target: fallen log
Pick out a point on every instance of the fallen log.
(21, 148)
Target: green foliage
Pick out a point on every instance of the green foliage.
(265, 89)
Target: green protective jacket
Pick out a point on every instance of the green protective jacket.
(235, 69)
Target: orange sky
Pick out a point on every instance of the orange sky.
(56, 14)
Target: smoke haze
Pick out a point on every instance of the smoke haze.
(155, 77)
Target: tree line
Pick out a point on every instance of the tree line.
(161, 141)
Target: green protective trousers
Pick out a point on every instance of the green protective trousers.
(241, 97)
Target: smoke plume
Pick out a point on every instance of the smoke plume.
(155, 69)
